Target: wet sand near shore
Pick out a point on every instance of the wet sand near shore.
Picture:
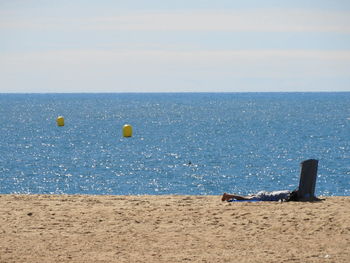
(78, 228)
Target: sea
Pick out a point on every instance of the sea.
(182, 143)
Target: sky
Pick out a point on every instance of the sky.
(49, 46)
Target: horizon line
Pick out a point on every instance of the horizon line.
(168, 92)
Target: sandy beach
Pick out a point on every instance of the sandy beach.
(51, 228)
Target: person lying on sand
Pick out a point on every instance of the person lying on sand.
(284, 196)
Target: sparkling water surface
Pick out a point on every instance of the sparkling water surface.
(186, 143)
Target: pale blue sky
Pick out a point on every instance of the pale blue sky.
(174, 46)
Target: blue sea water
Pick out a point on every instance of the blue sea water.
(182, 143)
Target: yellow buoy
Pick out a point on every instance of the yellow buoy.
(127, 130)
(60, 121)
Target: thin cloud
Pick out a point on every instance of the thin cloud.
(207, 54)
(258, 20)
(342, 55)
(245, 63)
(231, 21)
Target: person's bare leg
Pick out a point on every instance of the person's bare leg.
(226, 197)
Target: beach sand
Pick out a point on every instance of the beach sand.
(61, 228)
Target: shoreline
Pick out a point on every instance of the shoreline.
(171, 228)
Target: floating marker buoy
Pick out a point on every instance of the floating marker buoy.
(60, 121)
(127, 130)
